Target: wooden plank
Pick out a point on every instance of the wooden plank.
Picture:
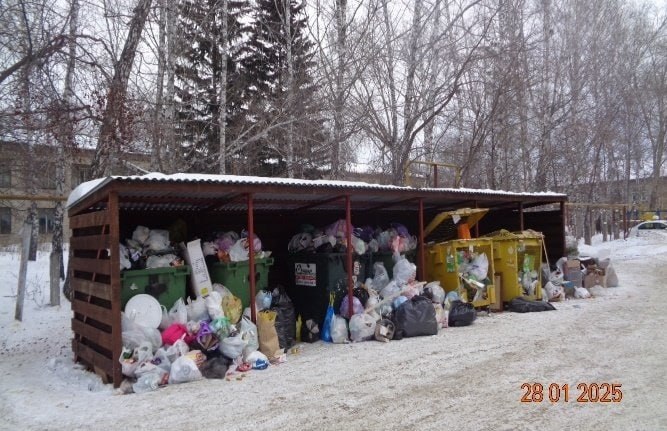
(97, 218)
(101, 314)
(95, 360)
(91, 242)
(87, 287)
(95, 335)
(98, 266)
(114, 234)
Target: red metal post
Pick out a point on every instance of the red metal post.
(251, 256)
(350, 267)
(422, 249)
(625, 222)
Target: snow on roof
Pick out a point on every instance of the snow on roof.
(89, 187)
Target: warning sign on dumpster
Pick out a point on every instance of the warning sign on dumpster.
(305, 274)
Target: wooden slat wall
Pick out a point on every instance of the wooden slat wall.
(96, 329)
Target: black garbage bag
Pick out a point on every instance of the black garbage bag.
(215, 368)
(415, 317)
(461, 313)
(362, 294)
(285, 318)
(523, 305)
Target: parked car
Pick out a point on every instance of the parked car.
(651, 225)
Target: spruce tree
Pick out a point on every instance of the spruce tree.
(199, 55)
(280, 93)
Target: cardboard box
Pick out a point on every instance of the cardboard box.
(498, 304)
(200, 280)
(594, 279)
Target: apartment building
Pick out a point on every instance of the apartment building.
(20, 169)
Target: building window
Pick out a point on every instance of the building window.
(47, 178)
(5, 175)
(5, 220)
(80, 174)
(46, 220)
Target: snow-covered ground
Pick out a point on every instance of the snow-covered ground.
(466, 378)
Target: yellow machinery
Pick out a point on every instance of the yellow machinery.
(517, 260)
(459, 263)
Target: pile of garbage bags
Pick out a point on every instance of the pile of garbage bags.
(208, 337)
(387, 309)
(148, 248)
(333, 239)
(231, 246)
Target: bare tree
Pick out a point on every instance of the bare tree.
(109, 138)
(158, 123)
(341, 30)
(650, 82)
(394, 99)
(65, 137)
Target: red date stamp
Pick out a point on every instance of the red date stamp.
(584, 393)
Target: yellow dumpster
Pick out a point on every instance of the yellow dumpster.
(460, 264)
(517, 259)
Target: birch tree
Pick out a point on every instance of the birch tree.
(341, 30)
(65, 144)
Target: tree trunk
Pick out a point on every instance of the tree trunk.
(31, 171)
(290, 89)
(108, 140)
(339, 97)
(222, 111)
(66, 142)
(171, 160)
(33, 216)
(544, 144)
(396, 169)
(429, 145)
(156, 149)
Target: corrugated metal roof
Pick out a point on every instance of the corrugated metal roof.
(138, 193)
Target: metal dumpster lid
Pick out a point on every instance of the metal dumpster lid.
(443, 226)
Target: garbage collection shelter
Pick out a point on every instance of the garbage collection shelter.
(104, 212)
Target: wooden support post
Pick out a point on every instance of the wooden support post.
(116, 332)
(23, 269)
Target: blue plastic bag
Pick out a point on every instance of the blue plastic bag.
(328, 322)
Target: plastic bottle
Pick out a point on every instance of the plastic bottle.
(450, 263)
(147, 383)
